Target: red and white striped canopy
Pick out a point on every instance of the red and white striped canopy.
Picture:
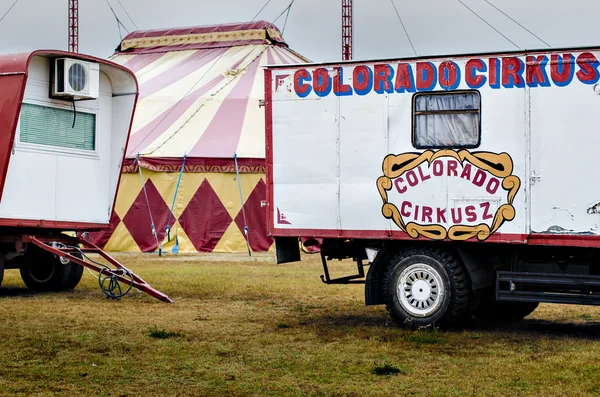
(200, 89)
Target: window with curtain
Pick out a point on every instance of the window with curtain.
(446, 120)
(44, 125)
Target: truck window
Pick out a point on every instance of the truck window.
(446, 119)
(44, 125)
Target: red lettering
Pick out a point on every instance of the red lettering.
(589, 68)
(426, 76)
(470, 213)
(405, 213)
(321, 82)
(486, 211)
(452, 166)
(441, 215)
(479, 178)
(438, 168)
(339, 88)
(412, 179)
(471, 68)
(405, 81)
(400, 189)
(456, 219)
(494, 68)
(492, 186)
(536, 71)
(301, 88)
(512, 71)
(416, 212)
(383, 79)
(362, 78)
(449, 73)
(423, 177)
(466, 173)
(427, 212)
(561, 69)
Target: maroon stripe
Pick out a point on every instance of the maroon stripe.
(289, 57)
(179, 71)
(282, 56)
(138, 62)
(222, 136)
(147, 134)
(198, 46)
(201, 30)
(270, 58)
(159, 163)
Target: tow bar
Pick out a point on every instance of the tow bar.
(109, 279)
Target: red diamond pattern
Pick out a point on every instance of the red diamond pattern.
(205, 219)
(256, 217)
(101, 237)
(137, 220)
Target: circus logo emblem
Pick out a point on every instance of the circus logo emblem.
(419, 189)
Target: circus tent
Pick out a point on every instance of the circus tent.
(198, 124)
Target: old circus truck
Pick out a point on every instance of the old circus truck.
(466, 184)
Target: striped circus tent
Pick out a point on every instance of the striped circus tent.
(197, 124)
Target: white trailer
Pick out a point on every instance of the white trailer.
(65, 120)
(466, 182)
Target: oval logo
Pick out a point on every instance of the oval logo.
(446, 194)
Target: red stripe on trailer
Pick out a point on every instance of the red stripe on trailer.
(269, 149)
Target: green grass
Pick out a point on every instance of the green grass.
(247, 327)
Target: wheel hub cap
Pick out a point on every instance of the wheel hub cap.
(420, 290)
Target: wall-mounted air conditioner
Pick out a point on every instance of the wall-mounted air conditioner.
(75, 79)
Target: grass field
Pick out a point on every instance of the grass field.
(249, 327)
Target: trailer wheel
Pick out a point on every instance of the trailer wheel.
(42, 271)
(426, 287)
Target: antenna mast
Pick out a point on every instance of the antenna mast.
(347, 30)
(74, 25)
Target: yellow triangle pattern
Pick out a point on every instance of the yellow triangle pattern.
(131, 185)
(121, 241)
(226, 187)
(232, 240)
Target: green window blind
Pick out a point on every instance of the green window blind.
(45, 125)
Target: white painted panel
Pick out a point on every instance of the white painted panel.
(565, 137)
(363, 139)
(61, 184)
(305, 164)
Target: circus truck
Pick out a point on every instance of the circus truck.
(65, 122)
(463, 187)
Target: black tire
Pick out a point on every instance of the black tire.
(1, 268)
(490, 310)
(427, 287)
(43, 271)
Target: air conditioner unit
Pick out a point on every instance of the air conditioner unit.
(76, 79)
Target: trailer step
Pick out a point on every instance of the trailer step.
(548, 287)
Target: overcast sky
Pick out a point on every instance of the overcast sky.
(314, 26)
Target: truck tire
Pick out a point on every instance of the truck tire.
(43, 271)
(1, 268)
(490, 310)
(427, 287)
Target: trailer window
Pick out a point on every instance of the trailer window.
(446, 120)
(44, 125)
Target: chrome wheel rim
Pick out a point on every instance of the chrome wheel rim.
(421, 290)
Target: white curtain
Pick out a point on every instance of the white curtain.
(451, 130)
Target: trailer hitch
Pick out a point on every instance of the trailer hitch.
(115, 283)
